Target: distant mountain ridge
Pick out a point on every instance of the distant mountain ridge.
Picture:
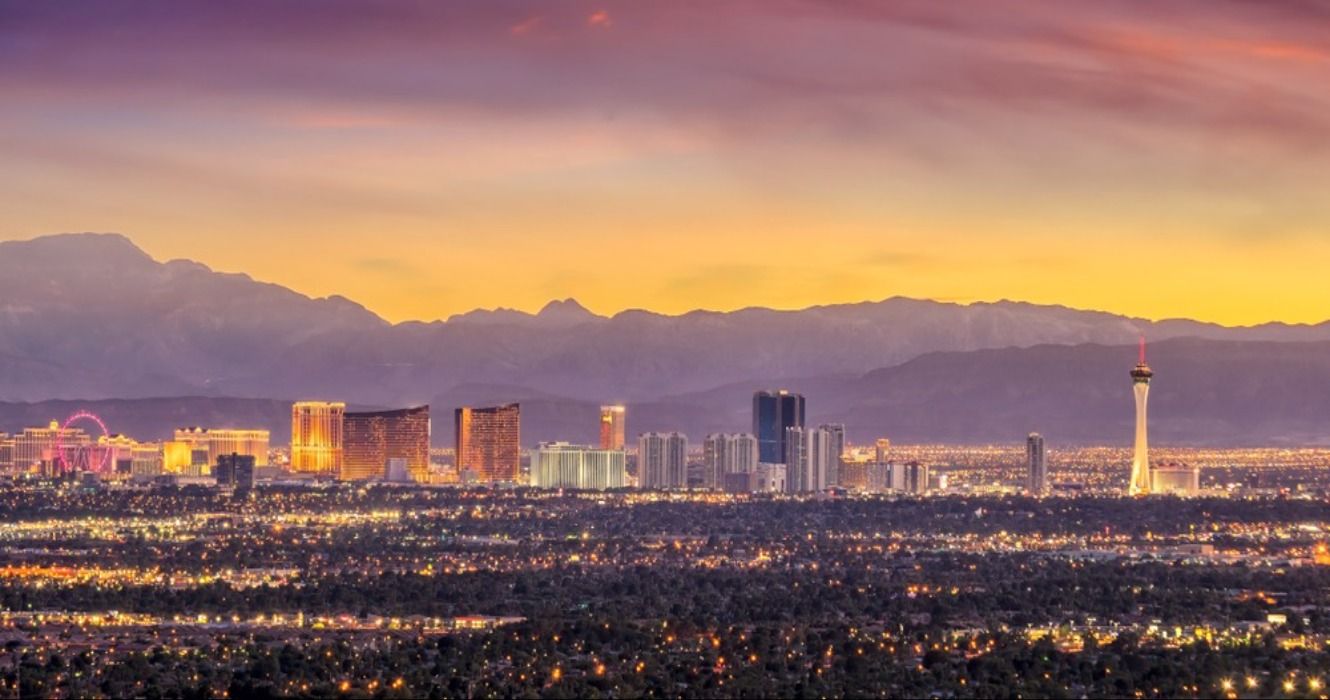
(1206, 392)
(91, 316)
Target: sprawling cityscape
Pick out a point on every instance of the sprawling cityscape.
(729, 349)
(786, 561)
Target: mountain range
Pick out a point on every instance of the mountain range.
(91, 317)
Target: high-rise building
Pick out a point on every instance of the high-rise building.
(489, 442)
(796, 460)
(877, 477)
(559, 465)
(1140, 463)
(662, 460)
(897, 476)
(215, 442)
(1036, 465)
(612, 427)
(316, 437)
(370, 439)
(774, 413)
(854, 470)
(826, 445)
(727, 453)
(882, 451)
(715, 460)
(916, 477)
(235, 470)
(812, 457)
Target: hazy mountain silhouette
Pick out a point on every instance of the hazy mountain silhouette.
(1206, 392)
(91, 316)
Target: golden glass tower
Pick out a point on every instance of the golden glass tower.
(612, 427)
(316, 437)
(489, 441)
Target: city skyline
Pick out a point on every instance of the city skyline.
(742, 349)
(569, 145)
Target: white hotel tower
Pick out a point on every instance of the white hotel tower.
(1140, 463)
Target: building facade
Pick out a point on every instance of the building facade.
(727, 453)
(769, 478)
(662, 460)
(882, 451)
(6, 452)
(316, 437)
(370, 439)
(146, 461)
(826, 445)
(915, 478)
(215, 442)
(177, 457)
(796, 460)
(612, 426)
(1036, 465)
(489, 442)
(235, 470)
(559, 465)
(1176, 480)
(35, 449)
(774, 413)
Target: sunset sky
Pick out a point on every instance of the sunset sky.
(426, 158)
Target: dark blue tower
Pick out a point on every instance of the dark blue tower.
(773, 412)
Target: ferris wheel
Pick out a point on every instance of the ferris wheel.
(93, 454)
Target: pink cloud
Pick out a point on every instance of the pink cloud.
(526, 26)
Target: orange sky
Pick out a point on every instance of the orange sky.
(676, 155)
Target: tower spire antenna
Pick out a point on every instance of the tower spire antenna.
(1142, 348)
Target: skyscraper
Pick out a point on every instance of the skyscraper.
(1140, 463)
(882, 451)
(612, 427)
(662, 460)
(825, 447)
(489, 441)
(727, 453)
(1036, 475)
(774, 412)
(371, 439)
(557, 465)
(916, 477)
(316, 437)
(797, 478)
